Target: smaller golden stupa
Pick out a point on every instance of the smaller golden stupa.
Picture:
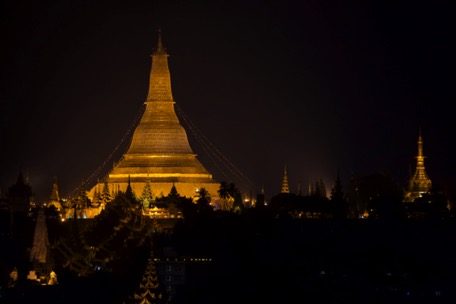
(419, 183)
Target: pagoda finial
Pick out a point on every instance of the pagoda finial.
(160, 49)
(420, 145)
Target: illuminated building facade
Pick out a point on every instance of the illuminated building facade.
(419, 183)
(159, 152)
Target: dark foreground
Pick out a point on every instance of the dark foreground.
(288, 261)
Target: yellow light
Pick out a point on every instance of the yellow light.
(158, 175)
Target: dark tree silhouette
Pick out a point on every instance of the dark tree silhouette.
(337, 199)
(238, 205)
(105, 194)
(203, 202)
(129, 194)
(19, 195)
(382, 196)
(259, 203)
(227, 192)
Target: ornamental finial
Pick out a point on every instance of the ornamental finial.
(160, 48)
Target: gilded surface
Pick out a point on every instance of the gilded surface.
(419, 183)
(285, 188)
(160, 151)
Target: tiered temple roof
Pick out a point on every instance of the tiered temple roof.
(149, 290)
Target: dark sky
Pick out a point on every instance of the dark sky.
(313, 85)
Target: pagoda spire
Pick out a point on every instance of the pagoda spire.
(54, 198)
(285, 188)
(420, 171)
(419, 183)
(420, 147)
(160, 49)
(160, 79)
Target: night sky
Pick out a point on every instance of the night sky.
(314, 85)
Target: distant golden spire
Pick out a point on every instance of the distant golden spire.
(419, 183)
(55, 190)
(285, 188)
(54, 198)
(420, 146)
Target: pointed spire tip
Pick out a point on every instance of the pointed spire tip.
(160, 48)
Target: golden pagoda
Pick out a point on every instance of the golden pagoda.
(419, 183)
(160, 153)
(54, 199)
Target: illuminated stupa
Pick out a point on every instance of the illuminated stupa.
(160, 153)
(285, 188)
(419, 183)
(54, 199)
